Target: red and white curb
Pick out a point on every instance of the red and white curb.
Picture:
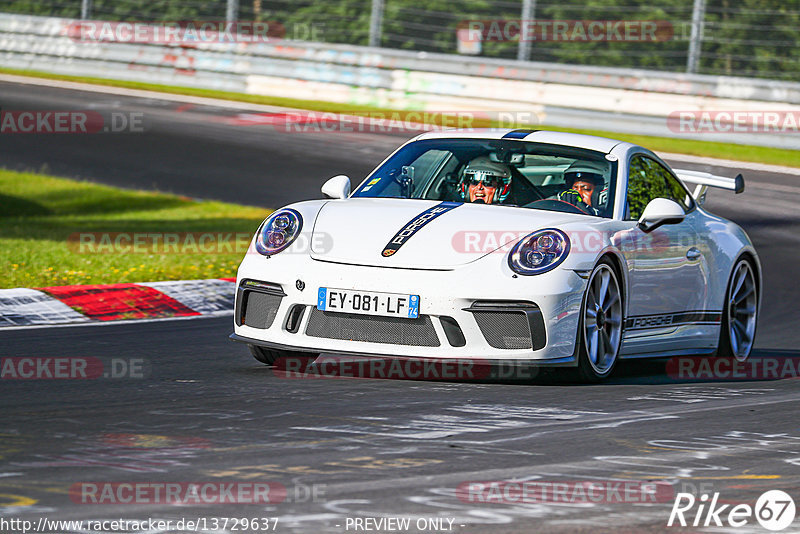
(116, 302)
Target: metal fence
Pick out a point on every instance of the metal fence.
(639, 101)
(751, 38)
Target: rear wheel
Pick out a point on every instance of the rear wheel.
(269, 356)
(740, 313)
(600, 326)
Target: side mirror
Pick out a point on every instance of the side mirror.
(660, 211)
(337, 187)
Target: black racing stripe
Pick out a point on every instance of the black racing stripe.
(519, 134)
(415, 225)
(643, 322)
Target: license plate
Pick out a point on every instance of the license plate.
(368, 302)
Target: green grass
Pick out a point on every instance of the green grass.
(42, 219)
(775, 156)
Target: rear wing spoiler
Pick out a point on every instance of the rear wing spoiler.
(704, 180)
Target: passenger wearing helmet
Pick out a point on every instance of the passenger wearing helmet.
(485, 181)
(583, 182)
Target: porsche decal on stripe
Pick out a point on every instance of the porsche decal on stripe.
(415, 225)
(642, 322)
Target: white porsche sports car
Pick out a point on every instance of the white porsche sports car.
(537, 247)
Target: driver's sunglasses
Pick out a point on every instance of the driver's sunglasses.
(488, 181)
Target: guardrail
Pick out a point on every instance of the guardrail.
(387, 78)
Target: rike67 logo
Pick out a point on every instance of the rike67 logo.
(774, 510)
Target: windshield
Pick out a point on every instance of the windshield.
(498, 171)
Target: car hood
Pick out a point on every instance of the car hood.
(358, 231)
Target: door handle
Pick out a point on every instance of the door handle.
(693, 254)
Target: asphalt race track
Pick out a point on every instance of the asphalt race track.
(200, 409)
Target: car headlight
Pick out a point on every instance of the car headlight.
(539, 252)
(278, 231)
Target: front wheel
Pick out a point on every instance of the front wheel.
(600, 325)
(739, 314)
(269, 356)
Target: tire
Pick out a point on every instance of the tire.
(600, 324)
(269, 356)
(739, 313)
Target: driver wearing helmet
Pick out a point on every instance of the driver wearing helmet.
(584, 182)
(485, 181)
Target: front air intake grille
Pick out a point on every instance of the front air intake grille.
(260, 309)
(504, 330)
(374, 329)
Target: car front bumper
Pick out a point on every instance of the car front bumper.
(479, 310)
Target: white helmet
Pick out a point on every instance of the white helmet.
(491, 173)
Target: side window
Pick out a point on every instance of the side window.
(643, 186)
(677, 191)
(647, 180)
